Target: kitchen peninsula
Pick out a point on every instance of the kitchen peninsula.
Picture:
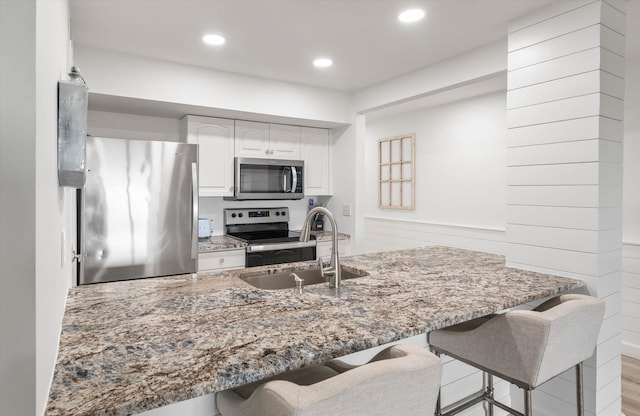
(131, 346)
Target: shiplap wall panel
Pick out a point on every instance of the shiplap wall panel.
(588, 241)
(609, 285)
(582, 84)
(565, 152)
(559, 196)
(609, 371)
(563, 260)
(590, 105)
(564, 217)
(555, 174)
(589, 60)
(566, 131)
(555, 47)
(612, 326)
(554, 90)
(555, 27)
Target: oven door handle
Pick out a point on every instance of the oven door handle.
(279, 246)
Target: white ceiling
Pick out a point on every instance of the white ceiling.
(278, 39)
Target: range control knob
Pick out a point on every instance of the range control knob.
(240, 215)
(283, 213)
(277, 213)
(233, 215)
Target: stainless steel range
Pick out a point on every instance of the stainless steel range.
(266, 232)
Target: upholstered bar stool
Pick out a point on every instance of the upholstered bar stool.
(400, 380)
(524, 347)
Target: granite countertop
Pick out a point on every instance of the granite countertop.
(219, 243)
(131, 346)
(327, 235)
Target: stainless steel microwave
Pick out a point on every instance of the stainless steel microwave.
(268, 179)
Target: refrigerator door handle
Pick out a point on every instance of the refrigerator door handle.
(194, 219)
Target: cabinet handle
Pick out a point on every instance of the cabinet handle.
(222, 260)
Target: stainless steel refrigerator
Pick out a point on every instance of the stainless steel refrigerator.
(138, 213)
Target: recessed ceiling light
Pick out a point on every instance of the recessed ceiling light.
(410, 16)
(322, 62)
(213, 39)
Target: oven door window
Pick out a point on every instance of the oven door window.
(264, 258)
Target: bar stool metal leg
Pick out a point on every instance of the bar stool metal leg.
(579, 391)
(489, 393)
(527, 402)
(438, 402)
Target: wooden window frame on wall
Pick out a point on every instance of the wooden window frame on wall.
(396, 169)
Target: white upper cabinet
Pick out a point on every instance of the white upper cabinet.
(264, 140)
(215, 137)
(252, 139)
(315, 153)
(284, 141)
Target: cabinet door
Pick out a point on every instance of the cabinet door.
(284, 142)
(219, 260)
(252, 139)
(214, 137)
(315, 153)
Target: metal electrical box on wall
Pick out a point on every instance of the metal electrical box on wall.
(73, 100)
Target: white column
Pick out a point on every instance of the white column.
(564, 172)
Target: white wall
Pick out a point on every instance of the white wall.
(55, 206)
(131, 126)
(17, 208)
(34, 211)
(212, 208)
(459, 70)
(631, 214)
(460, 155)
(631, 161)
(344, 155)
(142, 78)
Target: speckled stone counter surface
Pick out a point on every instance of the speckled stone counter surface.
(131, 346)
(219, 243)
(327, 235)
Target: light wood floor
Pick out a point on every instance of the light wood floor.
(630, 386)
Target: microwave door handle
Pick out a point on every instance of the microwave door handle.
(294, 179)
(284, 179)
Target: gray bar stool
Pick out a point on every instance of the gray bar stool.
(401, 380)
(526, 348)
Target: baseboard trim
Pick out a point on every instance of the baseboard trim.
(631, 350)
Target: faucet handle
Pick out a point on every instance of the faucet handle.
(299, 282)
(321, 266)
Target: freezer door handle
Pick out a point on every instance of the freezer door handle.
(194, 220)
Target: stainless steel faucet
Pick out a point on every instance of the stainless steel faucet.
(334, 272)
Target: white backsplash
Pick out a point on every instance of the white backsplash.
(212, 208)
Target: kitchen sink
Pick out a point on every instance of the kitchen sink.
(283, 280)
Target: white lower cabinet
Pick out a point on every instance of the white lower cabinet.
(220, 260)
(323, 249)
